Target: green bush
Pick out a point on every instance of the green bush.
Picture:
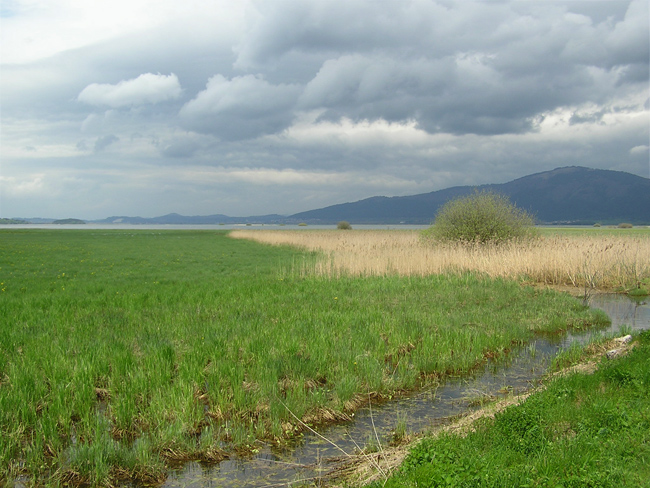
(343, 225)
(481, 217)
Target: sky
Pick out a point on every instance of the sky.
(246, 107)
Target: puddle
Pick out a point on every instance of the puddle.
(307, 459)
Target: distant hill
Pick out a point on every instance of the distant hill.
(176, 219)
(571, 195)
(12, 221)
(68, 221)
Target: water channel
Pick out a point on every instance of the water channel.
(307, 459)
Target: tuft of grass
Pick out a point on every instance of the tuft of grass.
(638, 292)
(400, 434)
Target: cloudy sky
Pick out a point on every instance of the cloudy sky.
(146, 107)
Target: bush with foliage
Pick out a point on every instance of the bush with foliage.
(343, 225)
(481, 217)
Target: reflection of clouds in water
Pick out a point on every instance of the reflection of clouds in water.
(421, 410)
(623, 311)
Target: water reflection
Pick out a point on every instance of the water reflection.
(631, 312)
(307, 460)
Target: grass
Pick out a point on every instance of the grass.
(123, 352)
(583, 430)
(603, 258)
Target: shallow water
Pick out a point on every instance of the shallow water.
(307, 459)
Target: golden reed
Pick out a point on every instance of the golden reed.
(596, 261)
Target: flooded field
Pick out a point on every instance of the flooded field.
(308, 460)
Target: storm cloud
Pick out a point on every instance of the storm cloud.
(241, 108)
(281, 106)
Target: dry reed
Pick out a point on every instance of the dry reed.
(604, 262)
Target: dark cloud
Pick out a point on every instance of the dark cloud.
(240, 108)
(634, 74)
(454, 67)
(463, 94)
(599, 11)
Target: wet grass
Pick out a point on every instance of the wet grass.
(583, 430)
(122, 352)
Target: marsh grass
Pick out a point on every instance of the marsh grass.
(122, 352)
(600, 259)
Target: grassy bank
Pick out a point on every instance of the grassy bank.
(122, 352)
(602, 258)
(583, 430)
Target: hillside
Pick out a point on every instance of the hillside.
(573, 194)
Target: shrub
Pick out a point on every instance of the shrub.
(625, 225)
(481, 217)
(344, 225)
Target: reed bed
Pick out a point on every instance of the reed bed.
(603, 261)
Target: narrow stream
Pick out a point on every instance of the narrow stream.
(306, 459)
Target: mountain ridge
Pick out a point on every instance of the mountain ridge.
(565, 195)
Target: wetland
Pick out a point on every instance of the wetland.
(124, 353)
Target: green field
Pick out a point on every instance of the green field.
(611, 230)
(122, 352)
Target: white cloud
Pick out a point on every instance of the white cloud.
(145, 89)
(263, 176)
(25, 186)
(37, 29)
(639, 150)
(378, 133)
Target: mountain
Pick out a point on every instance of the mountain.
(570, 195)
